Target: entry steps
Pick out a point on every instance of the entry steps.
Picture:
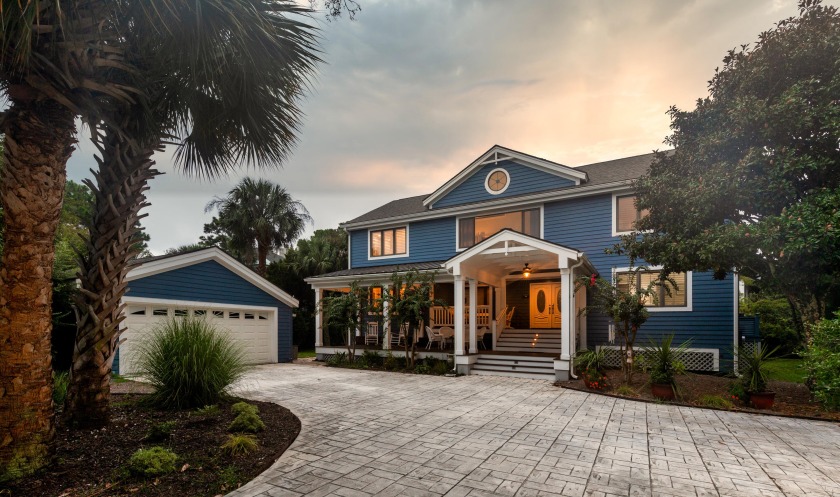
(541, 341)
(518, 366)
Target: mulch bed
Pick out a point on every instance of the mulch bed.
(90, 462)
(792, 399)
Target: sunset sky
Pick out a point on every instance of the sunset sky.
(413, 91)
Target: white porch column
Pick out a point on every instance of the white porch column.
(499, 303)
(473, 315)
(386, 320)
(319, 319)
(459, 315)
(563, 366)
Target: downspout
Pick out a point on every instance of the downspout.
(735, 347)
(572, 305)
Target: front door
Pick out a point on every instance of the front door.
(545, 305)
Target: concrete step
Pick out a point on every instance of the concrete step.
(529, 340)
(528, 348)
(483, 371)
(516, 358)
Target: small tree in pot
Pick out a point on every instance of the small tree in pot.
(663, 365)
(754, 376)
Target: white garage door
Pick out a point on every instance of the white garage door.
(254, 329)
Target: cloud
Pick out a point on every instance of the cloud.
(413, 91)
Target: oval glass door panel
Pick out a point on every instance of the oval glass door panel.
(559, 304)
(541, 301)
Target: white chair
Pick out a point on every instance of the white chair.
(447, 333)
(398, 338)
(372, 334)
(434, 337)
(479, 337)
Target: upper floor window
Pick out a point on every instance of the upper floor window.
(472, 230)
(678, 297)
(626, 213)
(497, 181)
(389, 242)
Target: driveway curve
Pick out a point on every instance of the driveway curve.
(388, 434)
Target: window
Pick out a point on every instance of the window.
(233, 315)
(626, 213)
(199, 313)
(180, 313)
(160, 312)
(629, 281)
(472, 230)
(137, 311)
(218, 314)
(497, 181)
(390, 242)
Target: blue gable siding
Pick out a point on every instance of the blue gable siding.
(523, 179)
(213, 283)
(586, 224)
(432, 240)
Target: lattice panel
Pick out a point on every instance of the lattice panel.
(748, 348)
(694, 359)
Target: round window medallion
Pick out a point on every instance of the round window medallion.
(497, 181)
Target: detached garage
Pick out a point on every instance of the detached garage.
(213, 285)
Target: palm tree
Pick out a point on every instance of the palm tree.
(223, 79)
(262, 216)
(54, 66)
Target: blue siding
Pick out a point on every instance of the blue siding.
(586, 224)
(523, 179)
(432, 240)
(211, 282)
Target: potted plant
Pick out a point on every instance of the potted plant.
(663, 365)
(593, 365)
(753, 367)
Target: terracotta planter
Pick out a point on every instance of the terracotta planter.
(662, 391)
(762, 400)
(598, 382)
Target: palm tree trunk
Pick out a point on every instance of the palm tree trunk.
(124, 172)
(39, 140)
(262, 256)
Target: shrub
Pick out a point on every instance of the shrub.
(662, 360)
(337, 360)
(239, 445)
(243, 407)
(160, 431)
(715, 401)
(61, 380)
(189, 363)
(390, 362)
(592, 361)
(775, 321)
(209, 410)
(440, 367)
(737, 392)
(152, 462)
(822, 360)
(625, 390)
(422, 368)
(247, 421)
(371, 359)
(753, 368)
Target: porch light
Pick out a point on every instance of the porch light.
(526, 271)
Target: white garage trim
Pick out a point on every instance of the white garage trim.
(189, 304)
(166, 264)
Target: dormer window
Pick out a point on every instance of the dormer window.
(389, 242)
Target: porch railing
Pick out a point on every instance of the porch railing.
(440, 316)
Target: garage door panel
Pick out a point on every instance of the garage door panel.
(253, 335)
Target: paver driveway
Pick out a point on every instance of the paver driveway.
(388, 434)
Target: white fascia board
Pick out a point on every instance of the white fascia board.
(374, 278)
(215, 254)
(508, 235)
(496, 204)
(537, 163)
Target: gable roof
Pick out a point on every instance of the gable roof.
(141, 268)
(499, 153)
(615, 171)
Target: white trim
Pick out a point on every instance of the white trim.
(636, 349)
(614, 223)
(395, 256)
(350, 251)
(547, 166)
(487, 179)
(735, 331)
(540, 207)
(512, 203)
(370, 278)
(191, 304)
(167, 264)
(689, 284)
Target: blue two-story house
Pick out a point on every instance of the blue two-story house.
(508, 237)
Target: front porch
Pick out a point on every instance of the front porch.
(512, 306)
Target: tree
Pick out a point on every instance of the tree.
(220, 78)
(53, 62)
(753, 183)
(348, 311)
(325, 251)
(409, 299)
(624, 304)
(258, 216)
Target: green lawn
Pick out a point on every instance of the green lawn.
(303, 354)
(787, 370)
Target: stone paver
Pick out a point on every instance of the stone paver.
(388, 434)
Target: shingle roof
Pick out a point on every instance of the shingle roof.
(390, 268)
(600, 173)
